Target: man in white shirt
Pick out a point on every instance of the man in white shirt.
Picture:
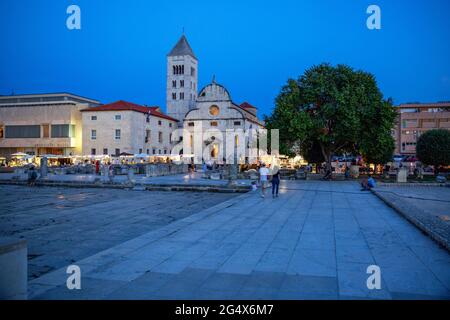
(263, 174)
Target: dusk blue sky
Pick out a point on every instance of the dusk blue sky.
(252, 47)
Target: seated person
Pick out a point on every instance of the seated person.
(368, 183)
(327, 175)
(371, 182)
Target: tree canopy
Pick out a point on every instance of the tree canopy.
(338, 108)
(433, 148)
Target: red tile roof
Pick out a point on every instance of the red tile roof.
(247, 105)
(129, 106)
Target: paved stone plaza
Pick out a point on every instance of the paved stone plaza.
(313, 242)
(64, 225)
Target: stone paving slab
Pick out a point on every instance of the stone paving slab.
(313, 242)
(427, 207)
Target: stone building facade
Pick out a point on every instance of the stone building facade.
(125, 127)
(220, 127)
(39, 124)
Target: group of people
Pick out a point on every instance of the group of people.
(264, 174)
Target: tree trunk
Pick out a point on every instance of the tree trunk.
(327, 155)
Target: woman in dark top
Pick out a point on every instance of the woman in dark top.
(275, 182)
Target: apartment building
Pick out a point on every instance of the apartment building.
(416, 118)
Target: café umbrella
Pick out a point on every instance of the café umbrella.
(20, 155)
(141, 155)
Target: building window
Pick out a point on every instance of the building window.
(190, 124)
(147, 136)
(63, 131)
(140, 150)
(45, 131)
(148, 151)
(117, 152)
(237, 123)
(165, 151)
(213, 123)
(93, 118)
(159, 151)
(105, 151)
(117, 135)
(170, 124)
(174, 84)
(93, 151)
(174, 96)
(193, 72)
(2, 133)
(178, 69)
(181, 95)
(159, 122)
(170, 137)
(160, 137)
(118, 117)
(214, 110)
(181, 83)
(22, 132)
(93, 134)
(153, 151)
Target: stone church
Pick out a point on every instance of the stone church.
(208, 116)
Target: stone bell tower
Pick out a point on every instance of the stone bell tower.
(182, 75)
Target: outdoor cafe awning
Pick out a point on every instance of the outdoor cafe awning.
(141, 155)
(20, 154)
(126, 154)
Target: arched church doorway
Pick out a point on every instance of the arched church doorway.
(214, 151)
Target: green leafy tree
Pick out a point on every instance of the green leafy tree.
(376, 142)
(433, 148)
(340, 108)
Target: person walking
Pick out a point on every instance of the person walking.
(263, 173)
(275, 181)
(97, 168)
(32, 176)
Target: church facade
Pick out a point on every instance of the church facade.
(213, 126)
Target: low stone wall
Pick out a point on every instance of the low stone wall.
(13, 269)
(160, 169)
(151, 170)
